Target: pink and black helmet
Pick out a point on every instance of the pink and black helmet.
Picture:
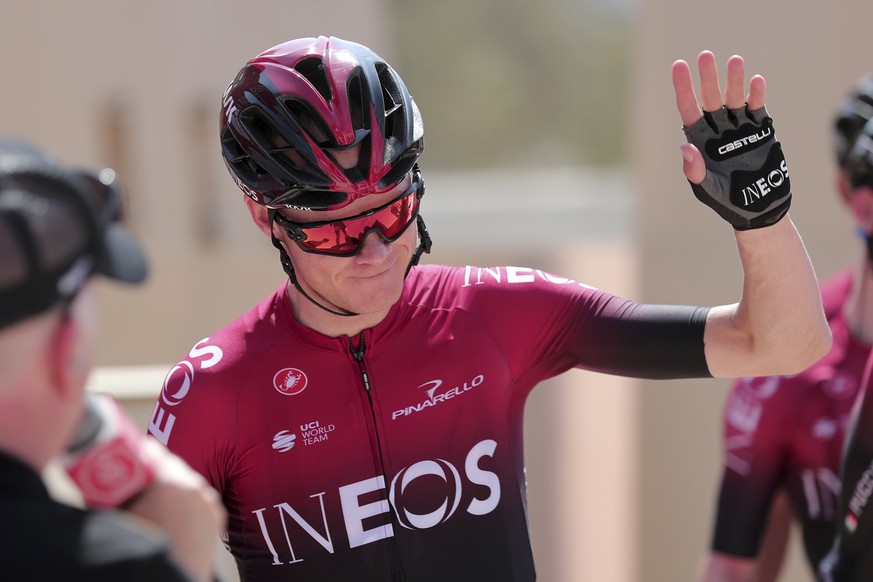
(293, 106)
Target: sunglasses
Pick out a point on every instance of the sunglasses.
(344, 237)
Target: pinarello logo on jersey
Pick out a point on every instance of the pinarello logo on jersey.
(860, 498)
(177, 383)
(290, 381)
(437, 393)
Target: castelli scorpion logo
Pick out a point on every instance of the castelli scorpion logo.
(289, 381)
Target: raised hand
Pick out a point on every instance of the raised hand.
(733, 160)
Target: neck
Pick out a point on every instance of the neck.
(313, 317)
(860, 305)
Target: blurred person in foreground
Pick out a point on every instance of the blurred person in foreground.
(364, 421)
(851, 557)
(783, 435)
(58, 228)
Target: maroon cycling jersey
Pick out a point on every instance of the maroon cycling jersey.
(397, 454)
(788, 432)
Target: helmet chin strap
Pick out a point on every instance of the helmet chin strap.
(292, 276)
(423, 247)
(424, 243)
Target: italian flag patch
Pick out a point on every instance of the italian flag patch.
(851, 522)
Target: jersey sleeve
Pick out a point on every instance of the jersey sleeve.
(194, 415)
(547, 324)
(757, 416)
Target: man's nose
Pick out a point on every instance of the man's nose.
(374, 245)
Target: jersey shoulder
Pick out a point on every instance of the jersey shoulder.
(222, 359)
(445, 286)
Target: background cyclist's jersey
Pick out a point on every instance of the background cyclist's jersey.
(788, 432)
(397, 454)
(851, 557)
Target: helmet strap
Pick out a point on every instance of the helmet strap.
(288, 266)
(424, 243)
(424, 246)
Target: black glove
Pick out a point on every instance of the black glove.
(746, 179)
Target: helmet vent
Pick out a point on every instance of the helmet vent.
(401, 167)
(277, 147)
(356, 103)
(313, 124)
(393, 99)
(313, 70)
(232, 150)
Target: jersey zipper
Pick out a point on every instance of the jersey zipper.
(397, 574)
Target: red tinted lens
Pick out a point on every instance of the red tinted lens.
(343, 237)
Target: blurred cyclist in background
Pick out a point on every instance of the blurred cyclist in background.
(783, 435)
(851, 558)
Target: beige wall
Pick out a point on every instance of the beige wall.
(137, 85)
(621, 478)
(809, 55)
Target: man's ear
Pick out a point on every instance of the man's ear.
(67, 367)
(260, 216)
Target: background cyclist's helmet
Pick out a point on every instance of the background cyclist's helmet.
(859, 161)
(291, 107)
(854, 111)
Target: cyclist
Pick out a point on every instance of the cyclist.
(783, 435)
(364, 421)
(850, 557)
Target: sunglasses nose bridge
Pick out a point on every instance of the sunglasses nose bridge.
(373, 244)
(380, 230)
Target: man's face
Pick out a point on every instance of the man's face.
(369, 282)
(857, 193)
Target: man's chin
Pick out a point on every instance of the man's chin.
(373, 299)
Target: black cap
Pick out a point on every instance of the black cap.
(58, 227)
